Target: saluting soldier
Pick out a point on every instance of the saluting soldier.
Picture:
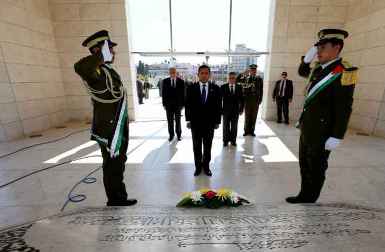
(110, 118)
(326, 110)
(252, 92)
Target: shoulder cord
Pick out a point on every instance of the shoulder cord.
(118, 95)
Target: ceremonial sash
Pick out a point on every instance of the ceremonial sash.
(117, 139)
(320, 86)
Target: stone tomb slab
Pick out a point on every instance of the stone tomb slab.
(320, 227)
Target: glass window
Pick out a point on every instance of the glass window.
(200, 25)
(149, 25)
(250, 24)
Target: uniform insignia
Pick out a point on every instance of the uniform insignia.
(349, 76)
(98, 70)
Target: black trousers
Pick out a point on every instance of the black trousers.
(282, 106)
(230, 128)
(202, 137)
(173, 115)
(313, 164)
(113, 170)
(251, 113)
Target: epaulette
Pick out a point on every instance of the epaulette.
(350, 74)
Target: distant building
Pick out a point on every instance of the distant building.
(241, 63)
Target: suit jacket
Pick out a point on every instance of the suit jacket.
(327, 114)
(203, 115)
(173, 97)
(105, 115)
(287, 92)
(232, 104)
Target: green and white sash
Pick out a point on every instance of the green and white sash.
(319, 87)
(117, 139)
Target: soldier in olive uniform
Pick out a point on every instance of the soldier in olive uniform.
(252, 92)
(110, 119)
(326, 111)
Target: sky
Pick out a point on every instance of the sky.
(198, 25)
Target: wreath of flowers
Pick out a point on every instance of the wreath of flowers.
(212, 198)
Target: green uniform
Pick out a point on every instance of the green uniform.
(252, 92)
(110, 122)
(326, 113)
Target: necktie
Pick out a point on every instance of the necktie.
(203, 93)
(281, 91)
(173, 83)
(232, 89)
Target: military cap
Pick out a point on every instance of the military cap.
(97, 38)
(253, 66)
(326, 35)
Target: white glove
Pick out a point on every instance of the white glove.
(310, 55)
(107, 56)
(332, 143)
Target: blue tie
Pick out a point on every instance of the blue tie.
(203, 93)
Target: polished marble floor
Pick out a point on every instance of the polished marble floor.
(349, 217)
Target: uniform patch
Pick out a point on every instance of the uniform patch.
(349, 76)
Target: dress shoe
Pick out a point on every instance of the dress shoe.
(245, 134)
(170, 138)
(128, 202)
(233, 143)
(253, 134)
(279, 121)
(208, 172)
(179, 138)
(287, 123)
(225, 144)
(298, 200)
(197, 172)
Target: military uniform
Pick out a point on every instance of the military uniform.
(326, 113)
(252, 92)
(110, 119)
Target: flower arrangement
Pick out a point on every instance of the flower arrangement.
(212, 199)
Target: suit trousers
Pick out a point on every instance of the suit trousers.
(282, 106)
(230, 127)
(174, 115)
(113, 170)
(313, 164)
(202, 137)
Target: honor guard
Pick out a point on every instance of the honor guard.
(326, 110)
(252, 91)
(110, 118)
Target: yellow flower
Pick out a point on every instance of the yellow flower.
(224, 193)
(204, 190)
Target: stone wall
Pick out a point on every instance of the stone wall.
(366, 49)
(32, 96)
(73, 22)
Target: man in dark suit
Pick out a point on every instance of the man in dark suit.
(326, 110)
(203, 116)
(283, 95)
(232, 103)
(173, 102)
